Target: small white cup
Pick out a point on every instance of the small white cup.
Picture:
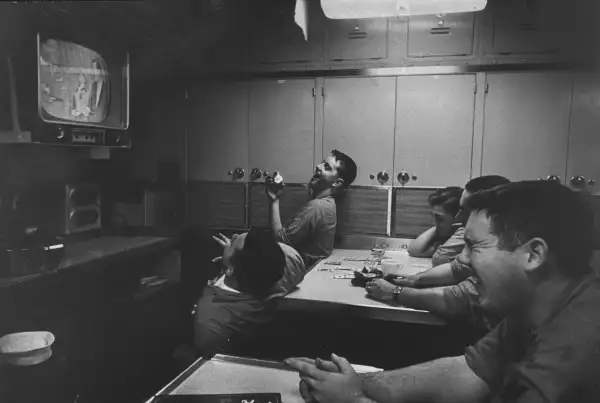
(391, 267)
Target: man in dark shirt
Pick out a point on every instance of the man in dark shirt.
(311, 230)
(529, 244)
(235, 306)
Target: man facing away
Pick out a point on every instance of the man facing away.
(237, 304)
(311, 230)
(529, 244)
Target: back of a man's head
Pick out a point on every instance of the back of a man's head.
(521, 211)
(347, 170)
(260, 263)
(485, 182)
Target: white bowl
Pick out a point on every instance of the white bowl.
(26, 348)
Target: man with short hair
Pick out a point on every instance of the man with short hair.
(529, 244)
(235, 306)
(311, 230)
(425, 291)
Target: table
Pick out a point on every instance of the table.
(230, 375)
(320, 292)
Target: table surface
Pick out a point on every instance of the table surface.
(94, 250)
(231, 375)
(320, 291)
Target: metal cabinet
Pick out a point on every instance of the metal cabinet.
(356, 39)
(282, 129)
(217, 131)
(526, 125)
(521, 27)
(277, 39)
(583, 164)
(434, 129)
(359, 121)
(159, 131)
(441, 35)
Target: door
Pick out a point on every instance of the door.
(434, 129)
(159, 132)
(441, 35)
(277, 38)
(524, 26)
(282, 128)
(217, 126)
(583, 165)
(357, 39)
(359, 121)
(526, 125)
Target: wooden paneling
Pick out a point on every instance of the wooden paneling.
(216, 204)
(363, 211)
(294, 196)
(412, 212)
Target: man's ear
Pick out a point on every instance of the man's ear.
(339, 182)
(537, 253)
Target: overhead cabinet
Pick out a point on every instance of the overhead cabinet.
(522, 27)
(277, 39)
(441, 35)
(356, 39)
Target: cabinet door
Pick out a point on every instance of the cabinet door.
(434, 129)
(282, 128)
(441, 35)
(278, 39)
(217, 131)
(584, 141)
(357, 39)
(526, 125)
(158, 131)
(522, 27)
(359, 121)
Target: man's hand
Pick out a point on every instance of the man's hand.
(343, 386)
(273, 196)
(222, 240)
(381, 290)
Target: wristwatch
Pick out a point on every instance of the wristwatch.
(396, 292)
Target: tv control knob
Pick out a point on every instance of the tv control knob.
(61, 133)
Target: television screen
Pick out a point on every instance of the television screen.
(73, 82)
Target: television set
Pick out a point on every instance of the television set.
(81, 93)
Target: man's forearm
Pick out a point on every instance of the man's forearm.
(275, 221)
(429, 299)
(443, 380)
(423, 245)
(436, 277)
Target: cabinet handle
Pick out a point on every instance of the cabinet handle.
(256, 174)
(403, 178)
(578, 181)
(237, 173)
(382, 177)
